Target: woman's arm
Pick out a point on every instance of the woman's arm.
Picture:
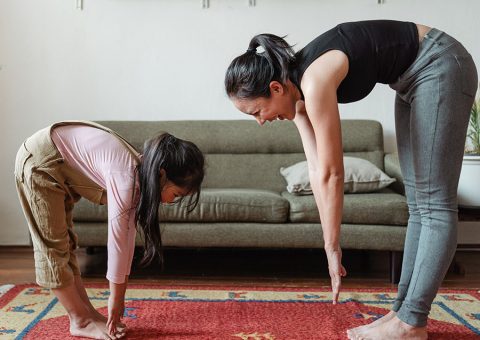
(307, 134)
(325, 172)
(320, 129)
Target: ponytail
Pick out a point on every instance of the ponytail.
(249, 75)
(183, 163)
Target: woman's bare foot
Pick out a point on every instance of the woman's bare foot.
(357, 330)
(394, 329)
(92, 328)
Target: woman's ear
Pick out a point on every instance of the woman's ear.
(276, 87)
(163, 177)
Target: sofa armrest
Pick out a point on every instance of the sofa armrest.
(392, 169)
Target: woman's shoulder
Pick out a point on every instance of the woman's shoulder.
(329, 68)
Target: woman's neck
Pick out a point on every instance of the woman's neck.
(294, 90)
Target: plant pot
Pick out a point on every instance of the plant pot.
(469, 184)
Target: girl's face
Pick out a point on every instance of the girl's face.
(170, 192)
(280, 105)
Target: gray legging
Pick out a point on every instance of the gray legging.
(432, 110)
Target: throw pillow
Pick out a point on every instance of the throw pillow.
(360, 176)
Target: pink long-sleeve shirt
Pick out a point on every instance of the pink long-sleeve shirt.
(104, 159)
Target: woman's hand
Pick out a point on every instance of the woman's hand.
(335, 269)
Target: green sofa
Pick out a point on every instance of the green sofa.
(244, 202)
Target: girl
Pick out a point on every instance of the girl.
(68, 160)
(435, 79)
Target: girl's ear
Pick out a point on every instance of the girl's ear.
(163, 177)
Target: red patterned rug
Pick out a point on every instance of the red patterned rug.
(159, 312)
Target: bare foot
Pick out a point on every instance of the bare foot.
(357, 330)
(394, 329)
(84, 319)
(121, 327)
(92, 328)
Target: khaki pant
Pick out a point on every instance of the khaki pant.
(48, 188)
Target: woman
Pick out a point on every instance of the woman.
(435, 79)
(68, 160)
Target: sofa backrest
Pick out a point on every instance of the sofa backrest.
(241, 154)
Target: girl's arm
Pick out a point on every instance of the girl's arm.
(121, 239)
(116, 304)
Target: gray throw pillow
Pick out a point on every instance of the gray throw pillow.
(360, 176)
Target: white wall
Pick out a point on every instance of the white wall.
(164, 60)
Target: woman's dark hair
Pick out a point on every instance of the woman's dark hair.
(183, 163)
(249, 75)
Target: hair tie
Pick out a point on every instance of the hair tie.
(250, 50)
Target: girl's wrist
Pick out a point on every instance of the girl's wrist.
(332, 247)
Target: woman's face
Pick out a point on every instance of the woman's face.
(280, 105)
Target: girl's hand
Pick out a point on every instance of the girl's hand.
(336, 270)
(116, 309)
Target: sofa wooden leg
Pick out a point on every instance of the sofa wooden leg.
(396, 258)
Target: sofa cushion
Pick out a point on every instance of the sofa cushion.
(246, 137)
(215, 205)
(232, 205)
(241, 154)
(385, 207)
(86, 211)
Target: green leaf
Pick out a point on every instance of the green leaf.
(474, 128)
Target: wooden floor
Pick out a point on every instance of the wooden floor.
(245, 267)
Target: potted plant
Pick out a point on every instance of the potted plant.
(469, 184)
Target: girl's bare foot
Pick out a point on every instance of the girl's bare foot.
(82, 293)
(85, 320)
(92, 328)
(394, 329)
(99, 316)
(357, 330)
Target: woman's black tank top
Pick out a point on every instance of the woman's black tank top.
(378, 51)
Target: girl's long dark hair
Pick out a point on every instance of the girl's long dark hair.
(249, 75)
(183, 163)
